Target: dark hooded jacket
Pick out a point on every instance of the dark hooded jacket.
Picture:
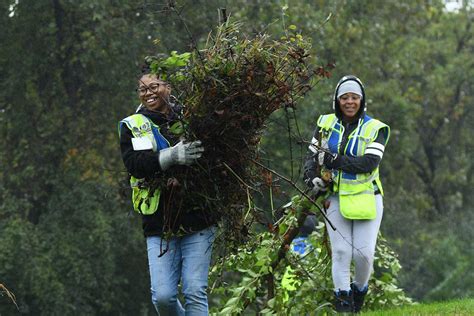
(362, 164)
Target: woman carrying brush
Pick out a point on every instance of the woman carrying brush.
(179, 242)
(350, 144)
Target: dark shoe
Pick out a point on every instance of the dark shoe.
(358, 296)
(343, 302)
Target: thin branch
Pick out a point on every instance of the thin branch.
(172, 7)
(298, 189)
(288, 125)
(10, 295)
(239, 178)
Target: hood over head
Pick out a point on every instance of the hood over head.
(347, 84)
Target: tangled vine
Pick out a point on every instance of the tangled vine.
(229, 89)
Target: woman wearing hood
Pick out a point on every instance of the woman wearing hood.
(350, 145)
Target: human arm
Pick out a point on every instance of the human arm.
(180, 154)
(139, 163)
(312, 167)
(147, 163)
(361, 164)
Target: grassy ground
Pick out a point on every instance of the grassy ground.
(458, 307)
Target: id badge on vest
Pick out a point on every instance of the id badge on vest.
(142, 143)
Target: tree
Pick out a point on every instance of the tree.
(65, 88)
(414, 59)
(63, 224)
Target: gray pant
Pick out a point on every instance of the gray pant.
(353, 239)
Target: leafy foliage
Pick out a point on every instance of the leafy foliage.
(300, 283)
(414, 58)
(230, 88)
(64, 89)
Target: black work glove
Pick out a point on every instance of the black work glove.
(332, 161)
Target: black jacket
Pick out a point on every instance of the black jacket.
(362, 164)
(145, 164)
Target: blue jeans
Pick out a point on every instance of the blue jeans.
(187, 259)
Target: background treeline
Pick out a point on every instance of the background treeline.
(68, 244)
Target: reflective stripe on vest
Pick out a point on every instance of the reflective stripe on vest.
(145, 199)
(356, 191)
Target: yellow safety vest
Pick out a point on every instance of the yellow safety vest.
(145, 199)
(356, 191)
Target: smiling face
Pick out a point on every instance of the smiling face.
(154, 93)
(349, 104)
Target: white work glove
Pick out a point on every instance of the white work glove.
(180, 154)
(318, 185)
(316, 149)
(324, 145)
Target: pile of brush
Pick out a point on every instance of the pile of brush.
(229, 90)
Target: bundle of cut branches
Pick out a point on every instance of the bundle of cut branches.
(230, 88)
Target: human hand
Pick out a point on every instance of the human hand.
(180, 154)
(319, 185)
(319, 149)
(331, 161)
(322, 151)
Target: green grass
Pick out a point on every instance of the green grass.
(458, 307)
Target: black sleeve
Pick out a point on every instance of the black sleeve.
(363, 164)
(310, 169)
(139, 163)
